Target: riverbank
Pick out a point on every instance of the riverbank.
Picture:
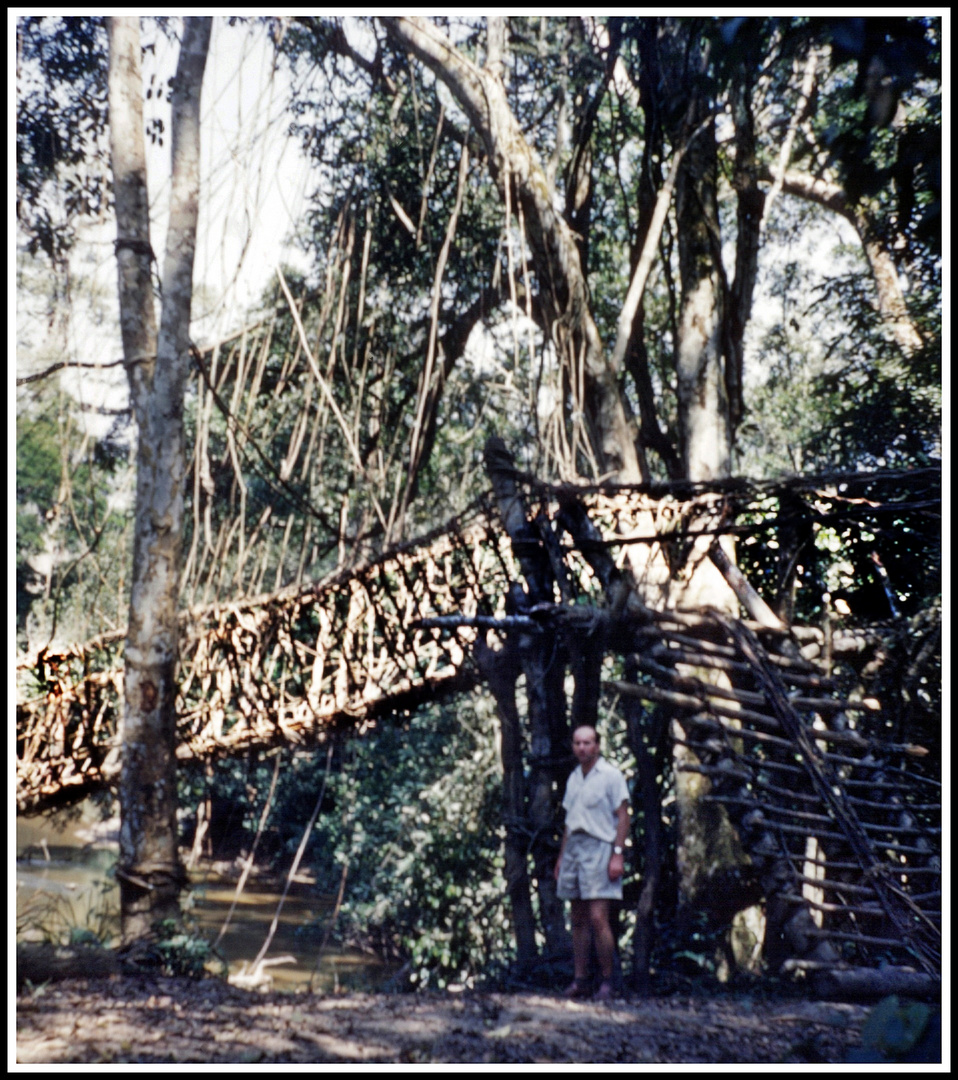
(154, 1020)
(66, 892)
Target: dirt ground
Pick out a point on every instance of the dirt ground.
(150, 1019)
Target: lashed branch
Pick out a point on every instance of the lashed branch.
(830, 790)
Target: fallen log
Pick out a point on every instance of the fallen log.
(875, 983)
(40, 962)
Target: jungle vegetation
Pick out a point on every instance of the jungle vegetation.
(637, 249)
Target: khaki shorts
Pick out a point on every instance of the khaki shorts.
(584, 873)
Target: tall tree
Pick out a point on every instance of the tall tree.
(704, 420)
(149, 868)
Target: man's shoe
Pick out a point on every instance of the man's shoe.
(604, 993)
(575, 989)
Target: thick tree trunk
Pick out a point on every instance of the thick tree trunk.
(149, 869)
(707, 846)
(704, 430)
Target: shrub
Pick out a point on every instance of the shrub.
(419, 836)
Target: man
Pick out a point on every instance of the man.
(591, 861)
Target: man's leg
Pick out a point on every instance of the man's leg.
(581, 938)
(604, 939)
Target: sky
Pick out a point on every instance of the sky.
(254, 184)
(254, 179)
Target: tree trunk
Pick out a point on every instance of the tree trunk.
(544, 669)
(707, 846)
(644, 730)
(134, 255)
(149, 869)
(654, 201)
(751, 204)
(704, 431)
(500, 670)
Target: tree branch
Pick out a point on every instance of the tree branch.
(515, 166)
(832, 196)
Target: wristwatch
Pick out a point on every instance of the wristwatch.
(616, 850)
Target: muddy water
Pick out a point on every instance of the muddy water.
(65, 889)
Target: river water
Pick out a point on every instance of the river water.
(65, 889)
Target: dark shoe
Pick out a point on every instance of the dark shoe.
(575, 989)
(604, 993)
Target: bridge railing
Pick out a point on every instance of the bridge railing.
(280, 668)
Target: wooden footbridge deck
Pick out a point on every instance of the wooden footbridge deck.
(284, 668)
(838, 807)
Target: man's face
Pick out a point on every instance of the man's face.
(585, 745)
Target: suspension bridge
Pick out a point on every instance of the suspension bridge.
(836, 803)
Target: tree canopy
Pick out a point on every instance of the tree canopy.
(782, 134)
(786, 168)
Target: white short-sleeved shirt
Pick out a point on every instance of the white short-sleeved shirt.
(592, 801)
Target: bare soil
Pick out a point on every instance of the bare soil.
(150, 1019)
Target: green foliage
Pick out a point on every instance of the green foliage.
(898, 1030)
(73, 529)
(881, 144)
(411, 819)
(61, 120)
(828, 389)
(74, 475)
(419, 838)
(804, 550)
(38, 474)
(88, 916)
(177, 952)
(834, 394)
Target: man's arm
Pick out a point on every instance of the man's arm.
(617, 862)
(565, 836)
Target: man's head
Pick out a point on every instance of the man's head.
(585, 746)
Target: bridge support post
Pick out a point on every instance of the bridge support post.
(501, 669)
(543, 664)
